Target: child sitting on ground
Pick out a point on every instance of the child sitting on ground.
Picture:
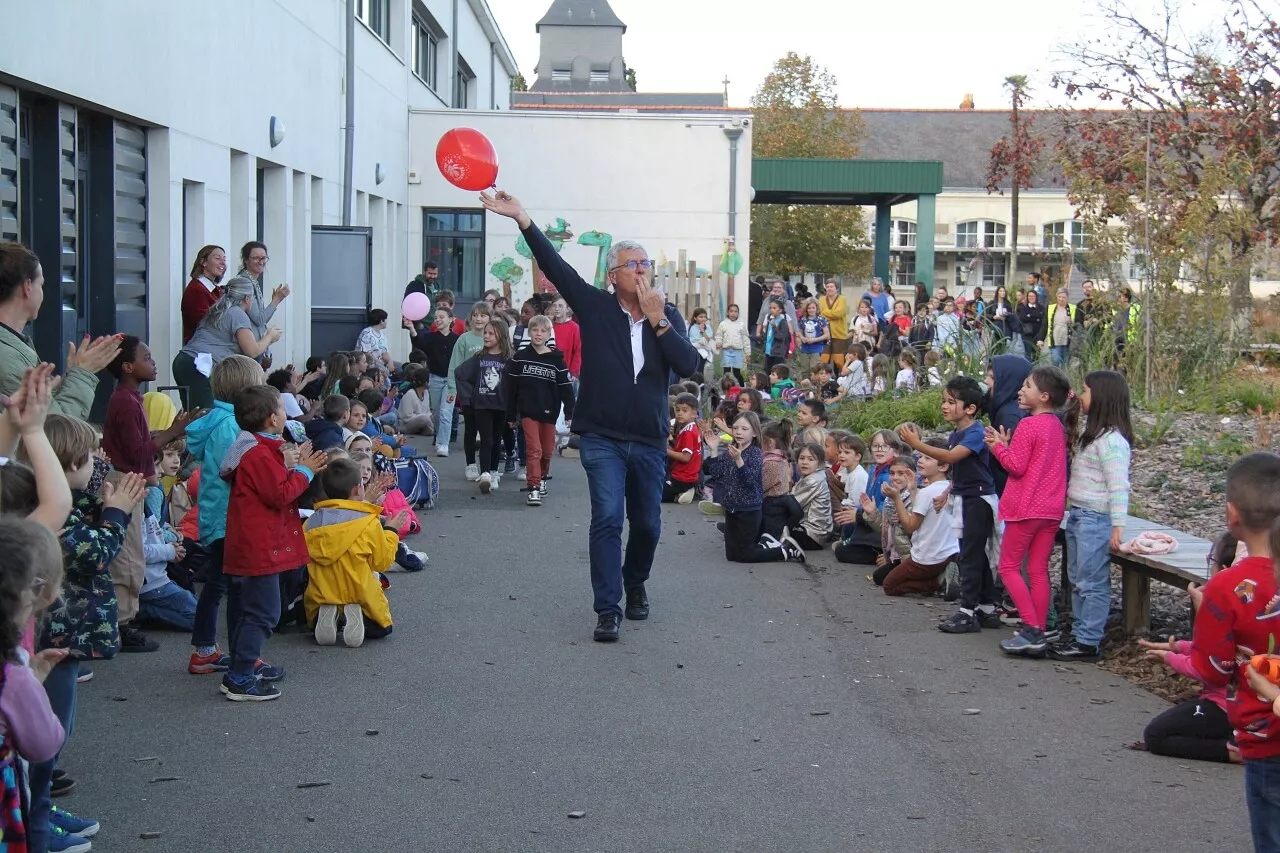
(163, 602)
(264, 534)
(393, 503)
(780, 381)
(684, 456)
(906, 379)
(779, 509)
(330, 430)
(933, 536)
(415, 411)
(895, 538)
(814, 497)
(348, 546)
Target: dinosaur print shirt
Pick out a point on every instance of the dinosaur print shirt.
(1240, 618)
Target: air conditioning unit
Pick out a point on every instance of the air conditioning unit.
(415, 177)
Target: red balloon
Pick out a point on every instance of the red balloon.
(467, 160)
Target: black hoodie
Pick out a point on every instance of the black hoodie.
(1010, 371)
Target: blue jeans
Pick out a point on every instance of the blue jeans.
(204, 630)
(1058, 356)
(256, 601)
(1262, 793)
(1089, 568)
(60, 687)
(169, 604)
(437, 392)
(625, 480)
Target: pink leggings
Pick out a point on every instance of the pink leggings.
(1032, 538)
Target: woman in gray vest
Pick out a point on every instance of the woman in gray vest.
(253, 265)
(226, 330)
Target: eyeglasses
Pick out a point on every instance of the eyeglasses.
(259, 259)
(637, 265)
(879, 447)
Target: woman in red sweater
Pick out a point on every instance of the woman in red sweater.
(204, 288)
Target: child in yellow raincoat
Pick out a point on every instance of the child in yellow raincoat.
(348, 545)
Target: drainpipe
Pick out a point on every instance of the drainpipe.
(493, 76)
(349, 143)
(453, 41)
(734, 133)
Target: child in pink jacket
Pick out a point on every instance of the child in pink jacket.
(395, 501)
(1033, 503)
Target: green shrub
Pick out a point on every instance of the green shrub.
(923, 408)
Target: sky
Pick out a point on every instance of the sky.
(918, 54)
(894, 53)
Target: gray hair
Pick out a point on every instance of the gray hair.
(611, 260)
(233, 293)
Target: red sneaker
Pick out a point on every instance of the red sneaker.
(208, 664)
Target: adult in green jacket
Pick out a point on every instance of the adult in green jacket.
(21, 295)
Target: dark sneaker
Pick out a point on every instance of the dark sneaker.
(1028, 642)
(791, 548)
(1053, 635)
(534, 498)
(950, 586)
(1074, 650)
(133, 640)
(264, 671)
(637, 603)
(509, 467)
(86, 674)
(248, 689)
(607, 628)
(73, 824)
(989, 618)
(720, 526)
(61, 785)
(409, 559)
(960, 623)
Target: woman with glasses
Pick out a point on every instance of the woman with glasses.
(253, 264)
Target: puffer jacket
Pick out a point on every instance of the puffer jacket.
(814, 496)
(209, 438)
(348, 546)
(85, 618)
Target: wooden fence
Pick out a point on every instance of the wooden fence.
(688, 288)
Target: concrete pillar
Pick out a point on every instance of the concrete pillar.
(884, 231)
(926, 214)
(298, 304)
(244, 206)
(277, 233)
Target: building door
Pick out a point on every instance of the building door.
(341, 285)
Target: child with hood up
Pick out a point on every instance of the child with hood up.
(1005, 375)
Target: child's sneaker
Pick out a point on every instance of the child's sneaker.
(353, 630)
(73, 824)
(486, 482)
(509, 466)
(409, 559)
(542, 487)
(85, 675)
(61, 841)
(990, 619)
(960, 623)
(1029, 642)
(264, 671)
(472, 473)
(208, 664)
(247, 688)
(534, 499)
(442, 451)
(710, 508)
(327, 625)
(496, 481)
(685, 497)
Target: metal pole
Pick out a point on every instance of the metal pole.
(349, 142)
(734, 133)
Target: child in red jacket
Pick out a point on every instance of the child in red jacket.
(1239, 617)
(264, 534)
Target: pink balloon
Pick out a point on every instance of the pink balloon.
(416, 306)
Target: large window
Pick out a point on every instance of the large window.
(1066, 234)
(904, 234)
(980, 233)
(454, 239)
(904, 271)
(462, 86)
(376, 15)
(426, 51)
(987, 272)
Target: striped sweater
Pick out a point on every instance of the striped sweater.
(1100, 477)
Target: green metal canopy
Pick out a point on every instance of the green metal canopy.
(864, 183)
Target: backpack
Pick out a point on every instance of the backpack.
(14, 798)
(418, 480)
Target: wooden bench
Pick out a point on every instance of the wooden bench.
(1188, 564)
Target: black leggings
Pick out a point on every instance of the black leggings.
(492, 424)
(469, 437)
(1197, 730)
(742, 539)
(779, 512)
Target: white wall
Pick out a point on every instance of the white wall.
(661, 180)
(207, 78)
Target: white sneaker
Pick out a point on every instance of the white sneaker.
(327, 625)
(442, 451)
(521, 472)
(472, 473)
(486, 482)
(353, 631)
(534, 499)
(497, 480)
(542, 488)
(685, 498)
(421, 555)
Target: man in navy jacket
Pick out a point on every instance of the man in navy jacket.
(632, 341)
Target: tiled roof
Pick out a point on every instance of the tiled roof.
(612, 101)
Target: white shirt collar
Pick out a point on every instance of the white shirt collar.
(210, 286)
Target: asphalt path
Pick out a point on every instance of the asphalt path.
(765, 708)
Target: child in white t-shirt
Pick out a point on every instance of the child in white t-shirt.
(933, 535)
